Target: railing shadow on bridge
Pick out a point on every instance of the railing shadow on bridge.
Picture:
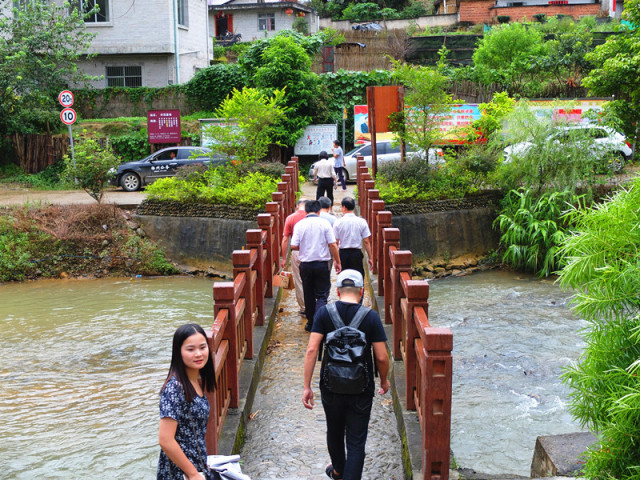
(239, 306)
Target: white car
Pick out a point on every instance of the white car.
(603, 140)
(387, 151)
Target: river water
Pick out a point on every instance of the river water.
(81, 363)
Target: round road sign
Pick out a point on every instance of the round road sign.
(65, 98)
(68, 116)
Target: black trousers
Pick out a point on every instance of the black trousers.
(352, 258)
(347, 422)
(316, 285)
(325, 188)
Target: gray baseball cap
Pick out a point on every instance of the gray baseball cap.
(350, 278)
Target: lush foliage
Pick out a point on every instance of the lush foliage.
(505, 55)
(41, 44)
(426, 100)
(554, 161)
(603, 267)
(617, 63)
(228, 184)
(533, 228)
(417, 181)
(89, 166)
(210, 86)
(47, 179)
(493, 114)
(49, 241)
(251, 120)
(131, 146)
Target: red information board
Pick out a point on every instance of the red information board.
(164, 126)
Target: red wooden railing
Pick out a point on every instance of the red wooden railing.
(425, 350)
(239, 305)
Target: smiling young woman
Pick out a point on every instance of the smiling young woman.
(184, 408)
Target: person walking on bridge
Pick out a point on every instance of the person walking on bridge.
(351, 234)
(325, 175)
(314, 238)
(347, 414)
(289, 223)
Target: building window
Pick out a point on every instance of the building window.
(100, 15)
(183, 13)
(266, 21)
(124, 76)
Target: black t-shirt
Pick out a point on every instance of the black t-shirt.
(371, 325)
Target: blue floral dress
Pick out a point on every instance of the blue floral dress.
(192, 425)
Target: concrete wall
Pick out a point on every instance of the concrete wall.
(196, 241)
(422, 22)
(199, 241)
(452, 232)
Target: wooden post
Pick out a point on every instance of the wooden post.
(283, 188)
(391, 238)
(367, 185)
(384, 221)
(255, 242)
(223, 297)
(417, 296)
(265, 223)
(400, 263)
(244, 304)
(291, 194)
(436, 402)
(278, 197)
(375, 206)
(273, 209)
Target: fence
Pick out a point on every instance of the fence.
(425, 350)
(239, 305)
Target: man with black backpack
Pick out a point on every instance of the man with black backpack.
(351, 333)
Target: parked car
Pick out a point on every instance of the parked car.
(599, 141)
(387, 151)
(132, 176)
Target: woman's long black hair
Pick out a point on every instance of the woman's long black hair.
(177, 368)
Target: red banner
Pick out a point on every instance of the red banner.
(164, 126)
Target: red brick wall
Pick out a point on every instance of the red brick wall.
(483, 11)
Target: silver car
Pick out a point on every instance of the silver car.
(601, 140)
(387, 151)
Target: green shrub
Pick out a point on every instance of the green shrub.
(132, 146)
(503, 18)
(47, 179)
(533, 229)
(151, 260)
(210, 86)
(226, 184)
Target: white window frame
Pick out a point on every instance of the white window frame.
(97, 18)
(266, 20)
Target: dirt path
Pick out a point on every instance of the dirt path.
(11, 195)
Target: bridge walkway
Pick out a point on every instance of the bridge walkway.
(286, 441)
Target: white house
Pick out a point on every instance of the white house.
(257, 19)
(150, 43)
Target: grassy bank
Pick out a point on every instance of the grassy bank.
(75, 240)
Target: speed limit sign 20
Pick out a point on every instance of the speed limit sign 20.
(68, 116)
(66, 98)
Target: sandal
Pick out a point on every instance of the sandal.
(331, 473)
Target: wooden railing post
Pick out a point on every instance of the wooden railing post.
(435, 403)
(278, 197)
(417, 296)
(296, 170)
(224, 298)
(362, 194)
(291, 194)
(283, 188)
(375, 206)
(384, 222)
(273, 209)
(245, 304)
(212, 397)
(255, 242)
(400, 263)
(265, 222)
(367, 186)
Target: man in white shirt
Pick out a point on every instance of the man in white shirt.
(325, 175)
(351, 234)
(314, 238)
(325, 210)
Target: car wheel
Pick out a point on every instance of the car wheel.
(130, 182)
(617, 162)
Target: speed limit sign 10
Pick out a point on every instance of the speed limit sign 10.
(66, 98)
(68, 116)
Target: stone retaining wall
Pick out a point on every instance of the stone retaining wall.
(179, 209)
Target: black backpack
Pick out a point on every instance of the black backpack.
(345, 367)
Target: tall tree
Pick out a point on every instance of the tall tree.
(40, 44)
(617, 63)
